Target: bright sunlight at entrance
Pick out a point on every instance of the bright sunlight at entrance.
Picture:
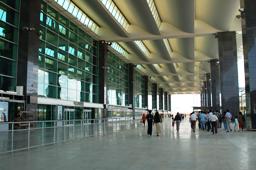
(184, 103)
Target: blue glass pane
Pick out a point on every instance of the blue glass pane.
(2, 15)
(2, 34)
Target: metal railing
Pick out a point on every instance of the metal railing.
(15, 136)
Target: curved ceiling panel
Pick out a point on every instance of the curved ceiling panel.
(174, 51)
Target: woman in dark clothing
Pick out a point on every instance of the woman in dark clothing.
(241, 121)
(177, 119)
(157, 121)
(150, 122)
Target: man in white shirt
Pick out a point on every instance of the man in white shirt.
(210, 113)
(214, 121)
(228, 117)
(193, 118)
(209, 124)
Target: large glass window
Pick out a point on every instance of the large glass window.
(67, 69)
(139, 87)
(9, 14)
(12, 3)
(117, 81)
(47, 112)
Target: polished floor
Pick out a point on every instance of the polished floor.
(134, 150)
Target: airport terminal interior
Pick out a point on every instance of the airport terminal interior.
(80, 80)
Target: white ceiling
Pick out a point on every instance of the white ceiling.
(180, 48)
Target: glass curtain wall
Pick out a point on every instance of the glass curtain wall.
(68, 59)
(117, 81)
(144, 87)
(160, 99)
(47, 112)
(53, 112)
(9, 36)
(139, 85)
(154, 96)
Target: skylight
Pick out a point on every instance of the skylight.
(168, 47)
(119, 49)
(115, 12)
(158, 66)
(70, 7)
(166, 78)
(142, 47)
(154, 12)
(176, 65)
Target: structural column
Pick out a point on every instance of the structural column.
(27, 74)
(145, 92)
(215, 81)
(249, 35)
(208, 90)
(205, 94)
(202, 97)
(228, 71)
(170, 102)
(161, 91)
(103, 51)
(154, 96)
(131, 88)
(165, 101)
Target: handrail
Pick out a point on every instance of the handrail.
(16, 136)
(37, 121)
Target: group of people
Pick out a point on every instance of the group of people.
(214, 120)
(205, 121)
(155, 119)
(209, 121)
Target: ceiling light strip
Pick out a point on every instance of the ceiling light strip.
(168, 47)
(154, 11)
(176, 65)
(71, 8)
(119, 49)
(142, 47)
(116, 13)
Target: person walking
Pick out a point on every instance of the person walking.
(199, 120)
(208, 122)
(214, 122)
(143, 119)
(224, 121)
(236, 124)
(203, 120)
(150, 122)
(157, 121)
(177, 120)
(228, 117)
(210, 113)
(219, 115)
(173, 122)
(241, 121)
(193, 119)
